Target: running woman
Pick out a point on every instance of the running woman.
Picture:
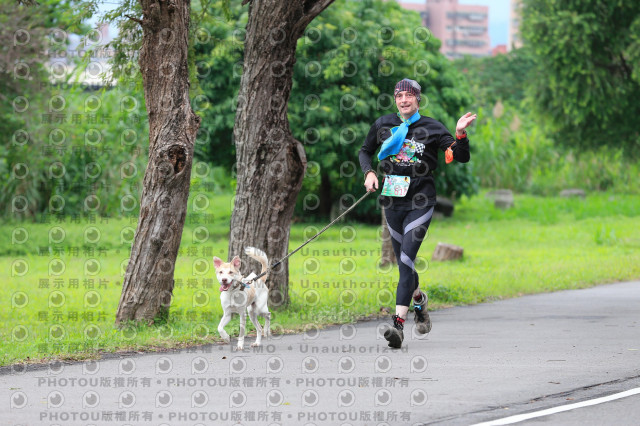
(409, 144)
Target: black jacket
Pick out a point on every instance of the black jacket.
(418, 158)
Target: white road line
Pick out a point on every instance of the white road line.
(547, 412)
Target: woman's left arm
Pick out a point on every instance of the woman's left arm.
(461, 148)
(464, 121)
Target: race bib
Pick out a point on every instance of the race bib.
(396, 186)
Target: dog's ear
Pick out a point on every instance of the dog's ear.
(217, 261)
(236, 262)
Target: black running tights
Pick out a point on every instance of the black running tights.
(407, 228)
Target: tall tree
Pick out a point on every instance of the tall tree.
(347, 66)
(587, 55)
(348, 62)
(148, 283)
(271, 163)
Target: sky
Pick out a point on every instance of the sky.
(498, 17)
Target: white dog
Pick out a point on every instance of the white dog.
(239, 297)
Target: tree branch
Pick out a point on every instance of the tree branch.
(625, 66)
(139, 21)
(311, 9)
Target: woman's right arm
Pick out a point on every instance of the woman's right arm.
(365, 156)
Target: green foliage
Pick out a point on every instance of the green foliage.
(29, 37)
(514, 147)
(126, 45)
(216, 35)
(219, 49)
(501, 78)
(513, 151)
(445, 294)
(587, 61)
(632, 51)
(40, 137)
(346, 67)
(73, 151)
(606, 236)
(84, 158)
(549, 210)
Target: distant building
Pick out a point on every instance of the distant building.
(499, 49)
(421, 8)
(463, 29)
(515, 17)
(62, 57)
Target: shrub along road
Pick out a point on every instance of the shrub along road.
(479, 363)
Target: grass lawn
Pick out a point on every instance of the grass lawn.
(63, 279)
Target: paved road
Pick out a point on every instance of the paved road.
(479, 363)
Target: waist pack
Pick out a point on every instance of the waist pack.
(417, 170)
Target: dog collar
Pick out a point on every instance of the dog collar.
(241, 284)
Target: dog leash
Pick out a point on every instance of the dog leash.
(312, 238)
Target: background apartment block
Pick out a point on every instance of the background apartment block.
(514, 25)
(463, 29)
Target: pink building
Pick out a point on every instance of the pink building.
(463, 29)
(499, 50)
(514, 25)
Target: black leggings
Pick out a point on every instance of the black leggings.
(407, 228)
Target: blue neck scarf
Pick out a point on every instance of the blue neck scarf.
(393, 144)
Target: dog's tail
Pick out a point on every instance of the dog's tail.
(261, 257)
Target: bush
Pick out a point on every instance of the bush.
(510, 150)
(85, 157)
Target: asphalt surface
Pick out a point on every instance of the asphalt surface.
(479, 363)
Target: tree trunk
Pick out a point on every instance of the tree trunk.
(148, 283)
(271, 162)
(447, 252)
(388, 256)
(325, 195)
